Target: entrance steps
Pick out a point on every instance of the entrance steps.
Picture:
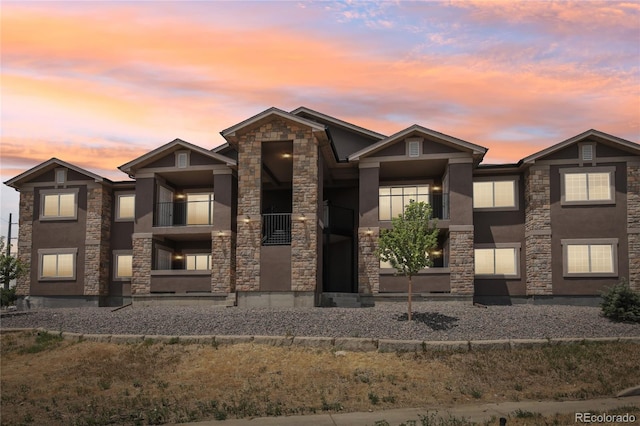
(346, 300)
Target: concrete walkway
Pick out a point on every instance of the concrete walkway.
(471, 412)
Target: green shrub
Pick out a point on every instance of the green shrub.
(621, 303)
(8, 297)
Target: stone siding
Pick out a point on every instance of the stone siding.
(461, 262)
(368, 261)
(633, 222)
(98, 233)
(223, 256)
(538, 231)
(304, 244)
(142, 257)
(304, 233)
(25, 242)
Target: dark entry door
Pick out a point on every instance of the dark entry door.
(338, 250)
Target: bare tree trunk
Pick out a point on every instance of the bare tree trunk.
(409, 298)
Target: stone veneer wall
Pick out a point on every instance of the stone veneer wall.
(305, 200)
(98, 234)
(368, 261)
(142, 257)
(25, 242)
(538, 231)
(304, 233)
(461, 262)
(223, 270)
(633, 223)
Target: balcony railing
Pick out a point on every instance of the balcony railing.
(392, 205)
(184, 213)
(276, 229)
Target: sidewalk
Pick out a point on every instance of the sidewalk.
(475, 413)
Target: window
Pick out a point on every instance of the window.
(393, 199)
(123, 265)
(198, 262)
(597, 257)
(200, 209)
(587, 186)
(125, 207)
(495, 194)
(57, 264)
(501, 260)
(58, 204)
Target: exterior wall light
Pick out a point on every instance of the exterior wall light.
(302, 217)
(178, 257)
(221, 234)
(369, 231)
(180, 196)
(247, 219)
(286, 155)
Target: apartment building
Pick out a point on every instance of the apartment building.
(288, 213)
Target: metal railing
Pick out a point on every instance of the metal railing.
(183, 213)
(276, 229)
(393, 203)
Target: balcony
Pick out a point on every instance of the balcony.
(276, 229)
(184, 213)
(392, 205)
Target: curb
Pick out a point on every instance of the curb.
(350, 344)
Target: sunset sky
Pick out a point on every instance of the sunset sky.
(99, 83)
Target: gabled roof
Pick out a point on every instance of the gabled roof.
(53, 163)
(601, 136)
(450, 140)
(230, 133)
(159, 152)
(338, 122)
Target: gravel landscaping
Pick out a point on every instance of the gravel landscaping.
(433, 321)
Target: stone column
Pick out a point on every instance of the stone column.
(368, 262)
(304, 217)
(97, 259)
(461, 261)
(223, 255)
(25, 242)
(538, 231)
(249, 219)
(368, 229)
(142, 257)
(633, 223)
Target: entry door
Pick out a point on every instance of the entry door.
(164, 211)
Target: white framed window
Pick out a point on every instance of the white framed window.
(393, 199)
(590, 257)
(200, 208)
(125, 207)
(499, 194)
(198, 262)
(587, 185)
(122, 265)
(182, 159)
(57, 264)
(497, 260)
(59, 204)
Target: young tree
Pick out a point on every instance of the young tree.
(10, 266)
(408, 243)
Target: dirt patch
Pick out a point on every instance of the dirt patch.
(433, 320)
(62, 382)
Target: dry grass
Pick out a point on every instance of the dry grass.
(49, 381)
